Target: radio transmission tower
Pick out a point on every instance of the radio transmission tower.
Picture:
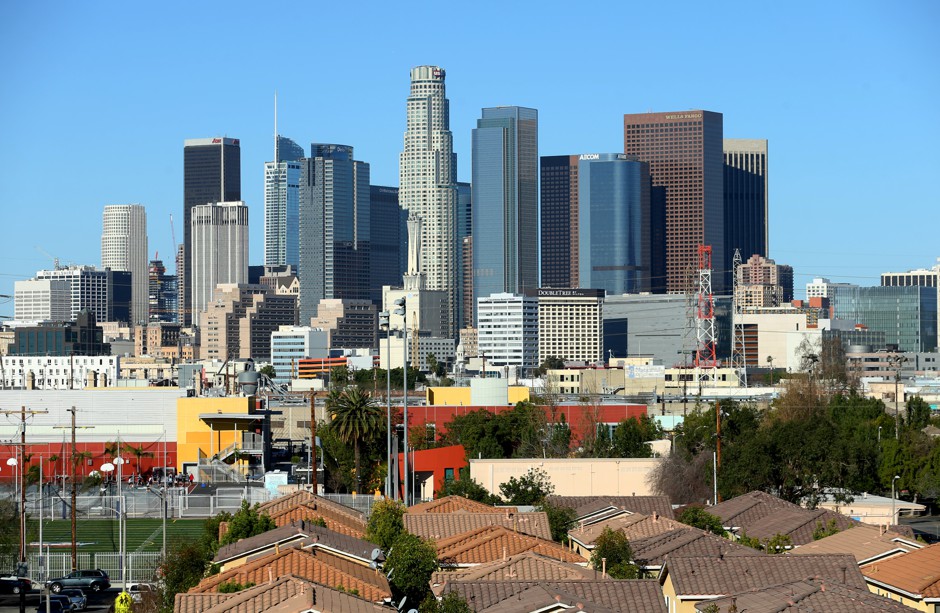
(705, 355)
(738, 349)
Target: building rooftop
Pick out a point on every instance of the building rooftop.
(305, 506)
(916, 572)
(865, 542)
(528, 566)
(438, 526)
(651, 552)
(494, 543)
(298, 533)
(806, 595)
(634, 596)
(585, 506)
(634, 526)
(457, 504)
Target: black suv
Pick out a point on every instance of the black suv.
(94, 580)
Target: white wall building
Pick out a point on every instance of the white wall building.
(88, 289)
(508, 330)
(37, 300)
(443, 349)
(220, 250)
(821, 287)
(290, 344)
(124, 247)
(58, 372)
(571, 324)
(428, 182)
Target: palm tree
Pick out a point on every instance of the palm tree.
(357, 420)
(138, 452)
(112, 449)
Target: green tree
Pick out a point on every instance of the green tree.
(9, 528)
(698, 517)
(247, 521)
(451, 602)
(358, 421)
(467, 487)
(632, 436)
(268, 371)
(339, 376)
(778, 543)
(409, 565)
(560, 520)
(434, 366)
(209, 541)
(918, 413)
(821, 531)
(386, 523)
(139, 452)
(550, 363)
(613, 550)
(529, 489)
(184, 566)
(230, 587)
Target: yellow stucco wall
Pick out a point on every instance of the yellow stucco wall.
(460, 396)
(195, 435)
(920, 605)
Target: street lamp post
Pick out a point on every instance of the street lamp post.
(384, 323)
(894, 520)
(897, 360)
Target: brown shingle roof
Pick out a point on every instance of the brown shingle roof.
(494, 543)
(634, 526)
(585, 505)
(799, 524)
(457, 504)
(687, 541)
(865, 542)
(808, 595)
(290, 532)
(317, 565)
(526, 566)
(636, 596)
(439, 526)
(711, 576)
(746, 509)
(917, 572)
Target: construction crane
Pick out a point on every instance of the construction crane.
(55, 260)
(173, 234)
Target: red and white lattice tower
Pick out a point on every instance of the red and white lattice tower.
(705, 356)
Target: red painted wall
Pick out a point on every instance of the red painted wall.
(61, 466)
(436, 461)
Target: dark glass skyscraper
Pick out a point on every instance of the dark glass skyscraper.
(614, 223)
(559, 220)
(211, 173)
(505, 201)
(464, 254)
(335, 222)
(388, 248)
(746, 199)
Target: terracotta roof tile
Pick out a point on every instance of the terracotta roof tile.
(318, 566)
(305, 497)
(439, 526)
(286, 594)
(799, 524)
(337, 521)
(585, 505)
(539, 597)
(526, 566)
(808, 595)
(747, 508)
(711, 576)
(494, 543)
(638, 596)
(865, 542)
(457, 504)
(916, 572)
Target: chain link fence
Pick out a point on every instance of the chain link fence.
(140, 567)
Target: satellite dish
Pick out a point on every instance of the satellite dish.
(376, 554)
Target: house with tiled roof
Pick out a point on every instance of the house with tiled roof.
(296, 534)
(314, 565)
(304, 505)
(650, 553)
(809, 595)
(528, 566)
(457, 504)
(634, 596)
(912, 578)
(867, 543)
(595, 508)
(493, 543)
(742, 511)
(438, 526)
(687, 581)
(285, 594)
(634, 526)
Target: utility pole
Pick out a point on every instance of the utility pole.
(74, 496)
(313, 443)
(717, 446)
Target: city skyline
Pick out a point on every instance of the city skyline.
(810, 104)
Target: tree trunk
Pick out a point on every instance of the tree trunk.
(358, 478)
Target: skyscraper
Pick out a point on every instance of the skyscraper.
(211, 173)
(388, 247)
(559, 220)
(281, 201)
(124, 247)
(427, 179)
(219, 250)
(505, 212)
(464, 255)
(684, 151)
(746, 199)
(335, 222)
(614, 219)
(163, 294)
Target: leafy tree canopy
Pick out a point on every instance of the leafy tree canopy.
(247, 521)
(529, 489)
(410, 563)
(467, 487)
(698, 517)
(613, 550)
(386, 523)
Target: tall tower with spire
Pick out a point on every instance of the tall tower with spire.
(428, 182)
(281, 201)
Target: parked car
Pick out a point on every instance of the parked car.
(94, 580)
(142, 591)
(54, 606)
(78, 598)
(57, 603)
(15, 585)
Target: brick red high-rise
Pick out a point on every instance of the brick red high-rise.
(684, 151)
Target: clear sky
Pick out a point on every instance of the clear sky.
(96, 99)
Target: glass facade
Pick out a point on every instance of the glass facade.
(505, 201)
(389, 241)
(906, 315)
(281, 205)
(746, 199)
(614, 223)
(559, 220)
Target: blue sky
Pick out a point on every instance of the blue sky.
(97, 98)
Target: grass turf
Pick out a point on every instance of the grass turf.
(101, 535)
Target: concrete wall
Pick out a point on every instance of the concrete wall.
(573, 477)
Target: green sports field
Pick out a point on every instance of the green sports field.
(101, 535)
